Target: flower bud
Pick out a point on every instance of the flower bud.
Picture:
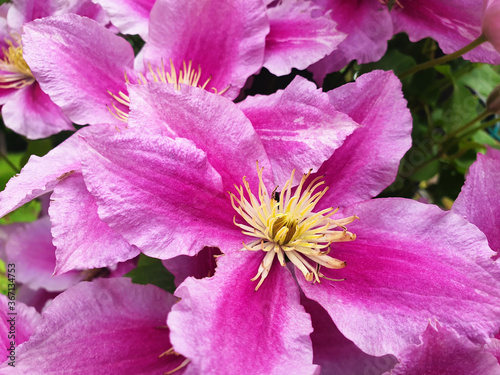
(490, 23)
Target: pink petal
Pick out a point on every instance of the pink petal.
(199, 266)
(30, 112)
(453, 24)
(479, 200)
(410, 262)
(109, 326)
(130, 16)
(444, 352)
(40, 175)
(31, 249)
(23, 11)
(296, 39)
(226, 38)
(489, 22)
(17, 322)
(368, 27)
(300, 129)
(76, 61)
(169, 201)
(368, 160)
(336, 354)
(214, 123)
(82, 239)
(224, 326)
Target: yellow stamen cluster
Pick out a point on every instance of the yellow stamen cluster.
(187, 76)
(14, 72)
(285, 223)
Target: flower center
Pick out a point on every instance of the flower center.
(14, 72)
(285, 224)
(186, 75)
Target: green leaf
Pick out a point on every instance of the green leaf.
(482, 79)
(426, 172)
(39, 147)
(151, 271)
(461, 107)
(392, 60)
(27, 213)
(6, 170)
(484, 138)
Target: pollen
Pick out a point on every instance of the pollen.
(284, 224)
(14, 71)
(186, 75)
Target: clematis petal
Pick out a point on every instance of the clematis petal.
(225, 38)
(214, 123)
(453, 24)
(296, 39)
(26, 319)
(336, 354)
(107, 326)
(82, 239)
(199, 266)
(40, 175)
(39, 117)
(369, 158)
(442, 351)
(30, 248)
(368, 27)
(410, 262)
(264, 332)
(300, 129)
(489, 22)
(130, 16)
(23, 11)
(479, 200)
(161, 194)
(76, 61)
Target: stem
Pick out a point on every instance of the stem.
(442, 152)
(9, 163)
(443, 60)
(479, 117)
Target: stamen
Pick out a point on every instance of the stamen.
(14, 71)
(187, 76)
(286, 224)
(171, 351)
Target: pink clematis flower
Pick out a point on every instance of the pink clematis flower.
(101, 327)
(26, 108)
(405, 252)
(369, 25)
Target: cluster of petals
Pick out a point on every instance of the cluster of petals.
(416, 285)
(204, 144)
